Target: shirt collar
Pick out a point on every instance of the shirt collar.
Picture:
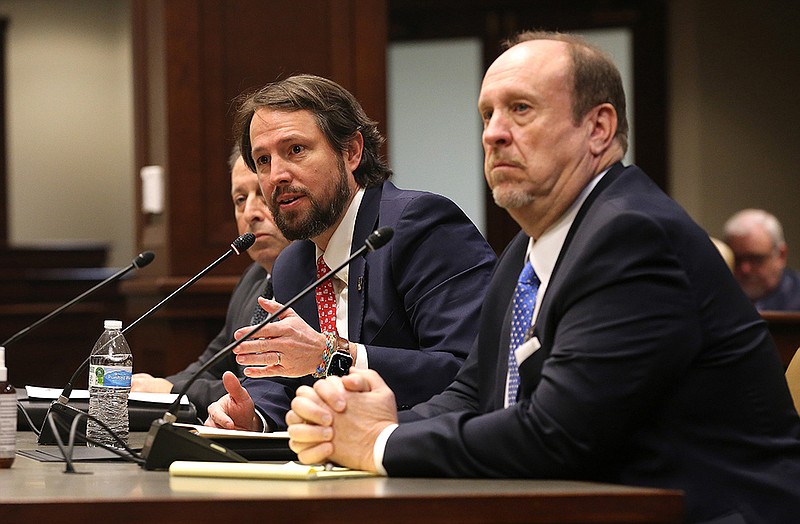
(342, 239)
(544, 252)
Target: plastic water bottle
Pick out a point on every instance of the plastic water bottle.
(110, 367)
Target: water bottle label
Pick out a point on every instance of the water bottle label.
(110, 376)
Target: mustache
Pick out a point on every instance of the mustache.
(280, 190)
(495, 160)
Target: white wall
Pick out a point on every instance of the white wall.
(69, 100)
(434, 132)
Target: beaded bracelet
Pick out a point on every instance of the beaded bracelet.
(330, 347)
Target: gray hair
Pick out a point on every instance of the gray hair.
(746, 220)
(236, 152)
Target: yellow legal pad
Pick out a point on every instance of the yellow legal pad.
(259, 470)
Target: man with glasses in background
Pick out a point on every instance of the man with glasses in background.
(759, 248)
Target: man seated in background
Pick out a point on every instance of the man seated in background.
(614, 344)
(408, 310)
(252, 215)
(760, 253)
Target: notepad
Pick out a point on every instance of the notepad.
(253, 470)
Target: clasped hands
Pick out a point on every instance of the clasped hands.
(340, 418)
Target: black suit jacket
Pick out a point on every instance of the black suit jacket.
(208, 387)
(414, 303)
(654, 370)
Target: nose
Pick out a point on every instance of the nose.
(744, 266)
(496, 131)
(255, 208)
(279, 172)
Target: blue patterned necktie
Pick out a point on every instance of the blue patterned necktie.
(258, 313)
(524, 303)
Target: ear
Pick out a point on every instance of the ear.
(603, 121)
(783, 252)
(355, 148)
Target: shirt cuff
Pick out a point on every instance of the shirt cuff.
(380, 447)
(361, 357)
(264, 426)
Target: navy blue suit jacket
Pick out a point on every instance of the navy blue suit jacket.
(786, 297)
(414, 303)
(654, 370)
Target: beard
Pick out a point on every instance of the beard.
(507, 195)
(506, 192)
(323, 214)
(511, 198)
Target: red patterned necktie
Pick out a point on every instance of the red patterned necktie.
(326, 299)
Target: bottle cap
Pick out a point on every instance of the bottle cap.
(112, 324)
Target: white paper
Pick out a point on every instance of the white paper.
(153, 398)
(208, 431)
(527, 349)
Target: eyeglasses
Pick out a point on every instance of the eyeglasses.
(753, 259)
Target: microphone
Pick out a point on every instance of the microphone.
(139, 262)
(238, 246)
(166, 443)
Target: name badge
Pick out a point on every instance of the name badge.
(527, 349)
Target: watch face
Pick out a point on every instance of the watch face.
(339, 364)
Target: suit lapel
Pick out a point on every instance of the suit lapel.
(306, 273)
(531, 369)
(366, 223)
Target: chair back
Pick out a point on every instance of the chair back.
(793, 379)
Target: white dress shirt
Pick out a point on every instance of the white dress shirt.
(338, 251)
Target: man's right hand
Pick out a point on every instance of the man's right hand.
(146, 383)
(235, 410)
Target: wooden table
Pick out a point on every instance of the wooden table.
(32, 492)
(784, 326)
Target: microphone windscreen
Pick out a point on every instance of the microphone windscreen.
(379, 238)
(143, 259)
(243, 243)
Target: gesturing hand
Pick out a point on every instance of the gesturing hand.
(235, 410)
(287, 347)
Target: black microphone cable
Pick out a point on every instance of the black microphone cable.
(238, 246)
(139, 262)
(376, 240)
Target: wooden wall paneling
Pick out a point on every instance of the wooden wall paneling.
(192, 58)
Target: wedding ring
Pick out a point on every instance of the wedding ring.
(278, 363)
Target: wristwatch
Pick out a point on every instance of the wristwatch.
(341, 360)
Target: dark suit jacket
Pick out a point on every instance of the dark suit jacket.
(786, 297)
(654, 370)
(414, 303)
(208, 387)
